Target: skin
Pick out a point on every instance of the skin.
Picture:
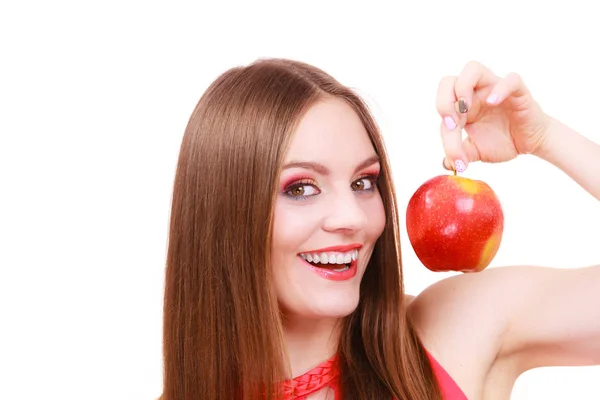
(332, 203)
(539, 324)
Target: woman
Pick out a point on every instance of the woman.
(284, 256)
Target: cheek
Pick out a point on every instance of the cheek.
(292, 226)
(375, 213)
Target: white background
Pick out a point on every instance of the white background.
(94, 99)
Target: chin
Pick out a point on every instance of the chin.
(319, 293)
(321, 304)
(335, 305)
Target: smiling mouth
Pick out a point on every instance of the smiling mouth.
(335, 261)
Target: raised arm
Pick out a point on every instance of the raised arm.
(574, 154)
(554, 314)
(541, 316)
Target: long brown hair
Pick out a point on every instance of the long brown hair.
(222, 332)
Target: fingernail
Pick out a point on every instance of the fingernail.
(460, 166)
(492, 98)
(450, 124)
(462, 106)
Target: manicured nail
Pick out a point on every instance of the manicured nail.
(460, 166)
(450, 124)
(462, 106)
(492, 98)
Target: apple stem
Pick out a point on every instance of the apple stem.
(454, 172)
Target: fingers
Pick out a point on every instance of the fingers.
(470, 152)
(511, 85)
(451, 127)
(455, 96)
(455, 100)
(473, 77)
(445, 100)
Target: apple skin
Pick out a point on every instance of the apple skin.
(455, 224)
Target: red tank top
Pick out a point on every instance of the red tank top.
(326, 375)
(449, 388)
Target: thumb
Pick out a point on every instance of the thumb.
(456, 158)
(470, 150)
(471, 154)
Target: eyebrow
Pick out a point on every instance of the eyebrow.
(323, 170)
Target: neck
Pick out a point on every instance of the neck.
(309, 342)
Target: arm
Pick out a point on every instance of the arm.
(574, 154)
(555, 313)
(553, 316)
(521, 317)
(529, 316)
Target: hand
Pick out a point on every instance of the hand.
(499, 115)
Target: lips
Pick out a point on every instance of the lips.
(339, 248)
(337, 263)
(333, 272)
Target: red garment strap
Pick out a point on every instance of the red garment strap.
(325, 374)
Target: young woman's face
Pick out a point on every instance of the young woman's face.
(328, 213)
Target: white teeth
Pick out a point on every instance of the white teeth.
(331, 257)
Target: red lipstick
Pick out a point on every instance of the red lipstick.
(341, 248)
(332, 275)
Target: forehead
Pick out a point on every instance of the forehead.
(330, 128)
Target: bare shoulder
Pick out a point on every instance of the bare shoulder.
(466, 306)
(483, 301)
(491, 326)
(461, 320)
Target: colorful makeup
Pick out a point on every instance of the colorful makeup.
(372, 176)
(300, 187)
(296, 179)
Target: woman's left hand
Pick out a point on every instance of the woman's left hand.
(499, 115)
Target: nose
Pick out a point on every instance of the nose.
(345, 214)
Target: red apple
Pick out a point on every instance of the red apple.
(455, 224)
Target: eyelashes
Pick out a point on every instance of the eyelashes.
(301, 189)
(304, 188)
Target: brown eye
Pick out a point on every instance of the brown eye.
(358, 185)
(297, 191)
(301, 191)
(363, 184)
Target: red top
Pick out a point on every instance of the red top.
(449, 388)
(326, 374)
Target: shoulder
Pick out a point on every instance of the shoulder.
(484, 301)
(461, 320)
(465, 305)
(510, 319)
(473, 314)
(466, 315)
(408, 298)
